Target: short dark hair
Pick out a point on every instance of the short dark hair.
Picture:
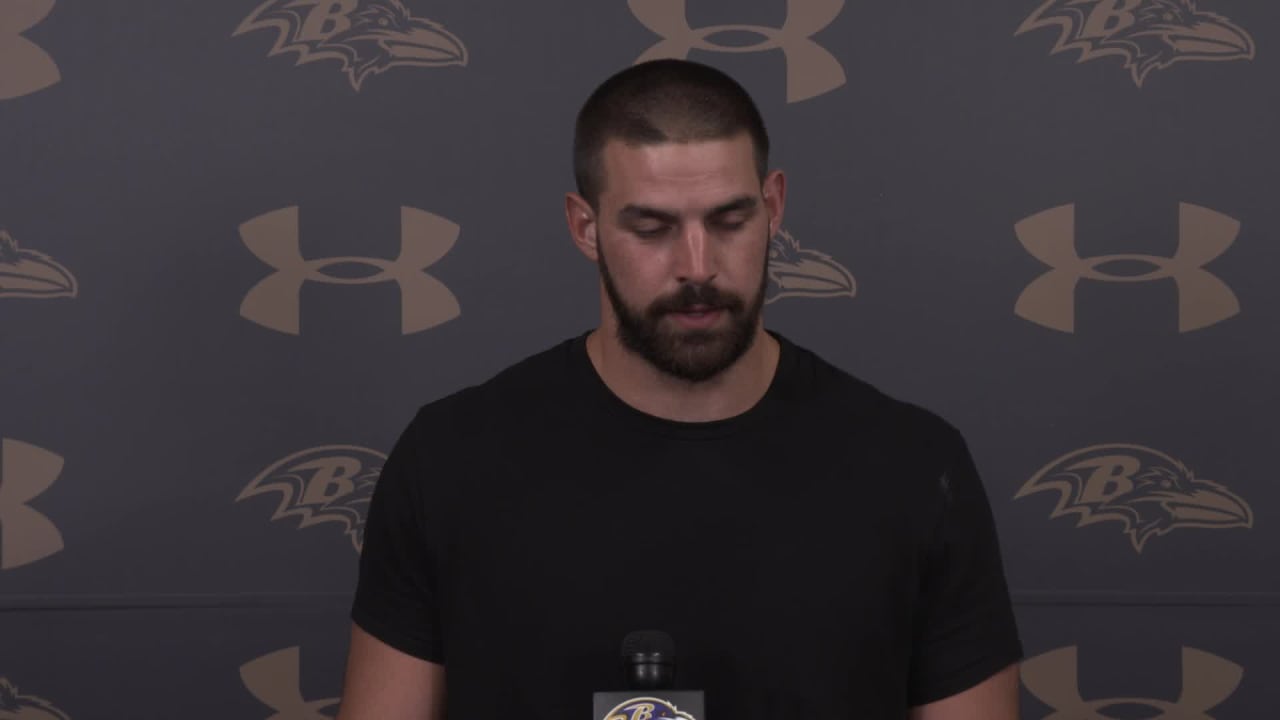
(659, 101)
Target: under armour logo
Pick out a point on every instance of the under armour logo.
(811, 69)
(1203, 299)
(275, 302)
(1207, 680)
(24, 67)
(275, 680)
(25, 535)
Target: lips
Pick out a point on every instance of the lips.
(698, 316)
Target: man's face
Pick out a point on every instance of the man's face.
(682, 247)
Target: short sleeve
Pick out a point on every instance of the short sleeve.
(396, 597)
(965, 627)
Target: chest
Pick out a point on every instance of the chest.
(757, 559)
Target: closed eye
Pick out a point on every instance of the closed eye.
(650, 232)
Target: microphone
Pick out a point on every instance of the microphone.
(649, 657)
(648, 661)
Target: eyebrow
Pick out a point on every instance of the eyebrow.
(632, 213)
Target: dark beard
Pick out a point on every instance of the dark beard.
(692, 355)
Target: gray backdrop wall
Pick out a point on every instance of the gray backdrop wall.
(244, 241)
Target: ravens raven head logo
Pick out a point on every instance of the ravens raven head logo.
(1148, 34)
(14, 706)
(646, 708)
(795, 271)
(1148, 492)
(31, 274)
(332, 483)
(367, 36)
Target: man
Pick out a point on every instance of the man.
(815, 548)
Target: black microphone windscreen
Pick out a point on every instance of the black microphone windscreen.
(648, 642)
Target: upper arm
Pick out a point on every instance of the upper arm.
(396, 661)
(966, 637)
(995, 698)
(383, 683)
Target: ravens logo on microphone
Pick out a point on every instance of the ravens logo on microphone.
(646, 708)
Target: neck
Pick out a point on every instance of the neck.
(642, 386)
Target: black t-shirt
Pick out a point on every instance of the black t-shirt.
(829, 553)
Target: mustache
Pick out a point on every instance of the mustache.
(691, 295)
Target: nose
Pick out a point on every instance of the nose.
(694, 261)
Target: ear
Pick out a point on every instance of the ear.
(582, 224)
(775, 199)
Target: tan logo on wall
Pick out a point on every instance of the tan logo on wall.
(331, 483)
(16, 706)
(800, 272)
(1147, 492)
(1146, 34)
(1207, 681)
(367, 36)
(30, 273)
(275, 302)
(811, 69)
(24, 67)
(1203, 298)
(275, 679)
(26, 535)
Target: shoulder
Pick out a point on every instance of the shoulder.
(854, 407)
(452, 437)
(529, 385)
(902, 453)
